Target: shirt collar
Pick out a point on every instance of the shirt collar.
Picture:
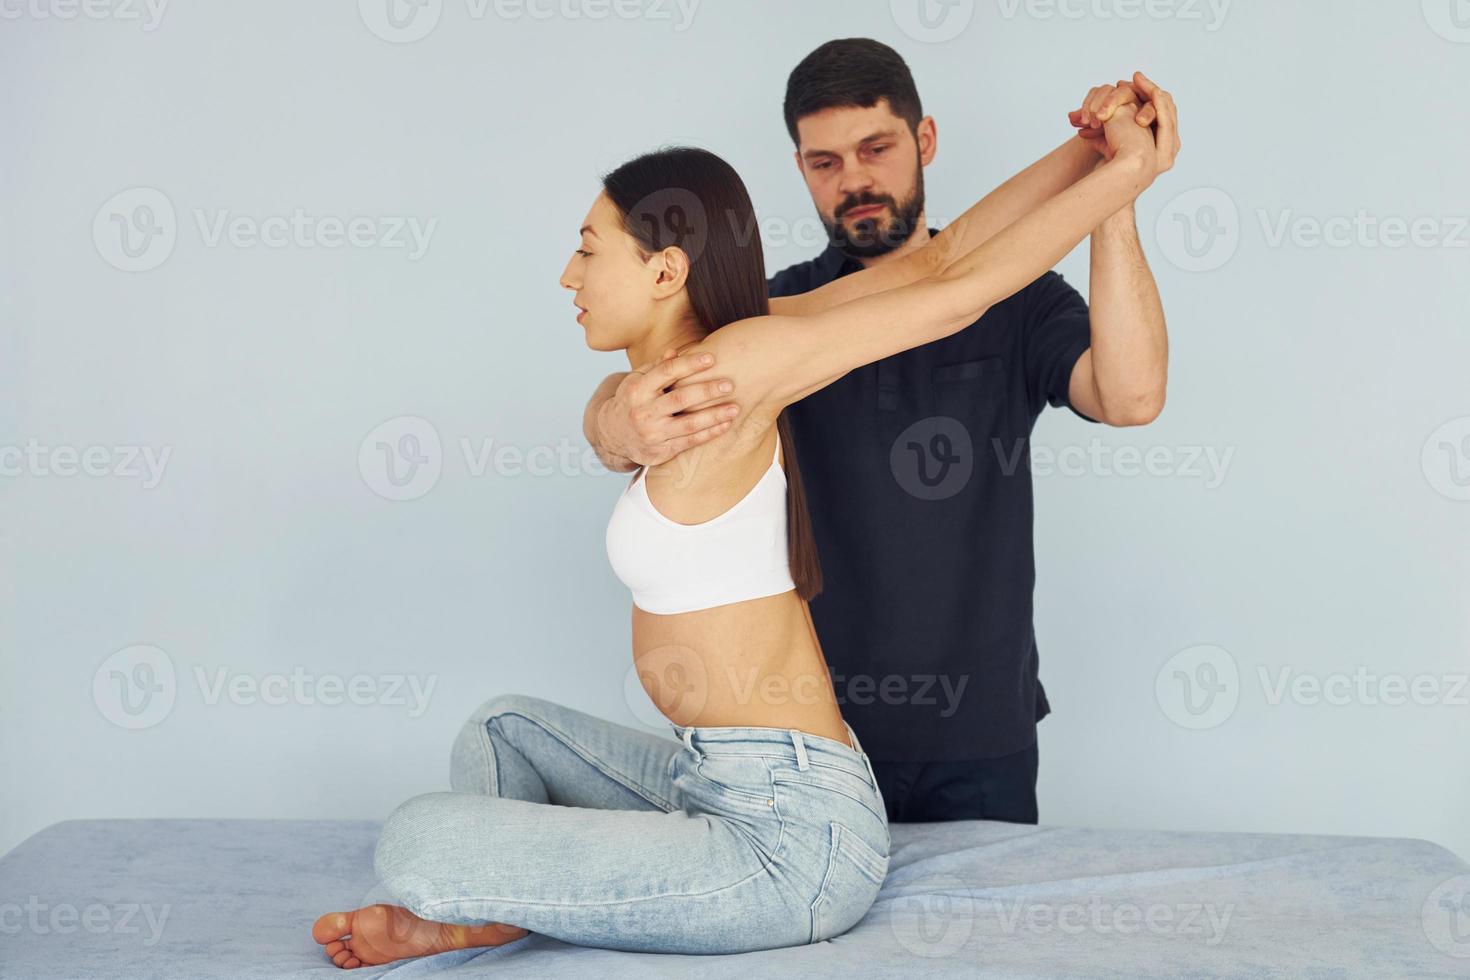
(833, 263)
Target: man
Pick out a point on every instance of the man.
(917, 466)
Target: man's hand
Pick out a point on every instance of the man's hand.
(648, 424)
(1128, 142)
(1155, 109)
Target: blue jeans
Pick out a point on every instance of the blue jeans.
(723, 840)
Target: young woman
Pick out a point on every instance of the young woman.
(762, 825)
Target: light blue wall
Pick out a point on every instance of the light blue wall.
(1331, 538)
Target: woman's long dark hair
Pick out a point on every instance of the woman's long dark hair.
(692, 199)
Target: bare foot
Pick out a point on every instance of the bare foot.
(383, 933)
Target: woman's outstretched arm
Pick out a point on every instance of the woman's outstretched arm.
(1026, 190)
(777, 360)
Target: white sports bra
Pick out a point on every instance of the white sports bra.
(675, 568)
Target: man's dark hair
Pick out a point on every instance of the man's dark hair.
(854, 71)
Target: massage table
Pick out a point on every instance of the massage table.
(200, 899)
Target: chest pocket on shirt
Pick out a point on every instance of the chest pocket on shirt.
(968, 388)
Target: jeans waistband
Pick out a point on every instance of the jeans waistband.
(796, 745)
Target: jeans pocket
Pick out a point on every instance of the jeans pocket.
(855, 873)
(743, 777)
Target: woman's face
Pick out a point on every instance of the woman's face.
(612, 284)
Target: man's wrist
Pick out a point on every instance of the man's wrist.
(609, 454)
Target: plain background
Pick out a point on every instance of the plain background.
(1334, 544)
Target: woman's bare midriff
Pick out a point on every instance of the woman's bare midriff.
(756, 663)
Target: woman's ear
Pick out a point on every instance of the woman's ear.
(671, 268)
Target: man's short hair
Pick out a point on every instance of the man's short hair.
(856, 72)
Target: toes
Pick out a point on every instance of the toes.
(334, 947)
(352, 963)
(333, 925)
(342, 957)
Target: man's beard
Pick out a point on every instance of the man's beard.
(866, 239)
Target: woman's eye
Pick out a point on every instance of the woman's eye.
(583, 252)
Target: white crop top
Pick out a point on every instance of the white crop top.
(675, 568)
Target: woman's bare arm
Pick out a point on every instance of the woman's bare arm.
(1041, 181)
(777, 360)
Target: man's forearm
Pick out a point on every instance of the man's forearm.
(610, 459)
(1016, 198)
(1130, 345)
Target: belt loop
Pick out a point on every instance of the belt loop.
(800, 745)
(858, 746)
(689, 739)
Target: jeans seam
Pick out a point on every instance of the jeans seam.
(439, 903)
(622, 780)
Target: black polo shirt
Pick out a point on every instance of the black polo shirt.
(917, 468)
